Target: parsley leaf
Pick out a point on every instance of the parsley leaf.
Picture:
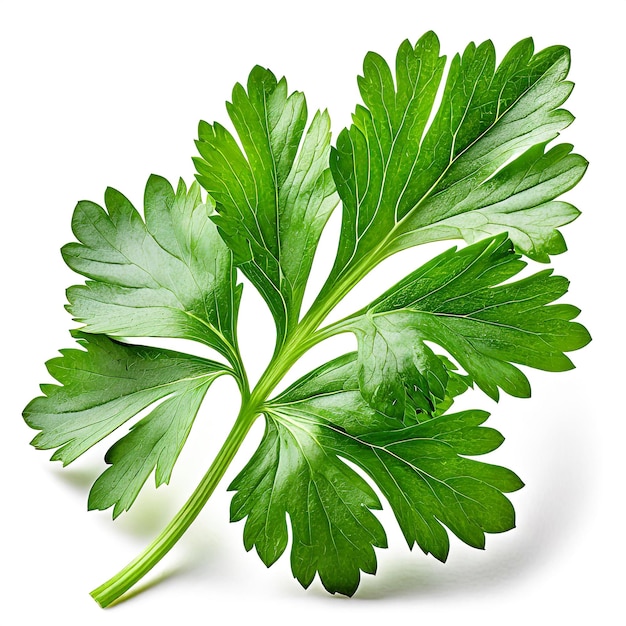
(296, 471)
(457, 301)
(422, 470)
(425, 159)
(104, 386)
(274, 200)
(170, 276)
(402, 184)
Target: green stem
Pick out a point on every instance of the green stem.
(343, 325)
(113, 588)
(241, 376)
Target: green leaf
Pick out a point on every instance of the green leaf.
(403, 182)
(274, 197)
(422, 471)
(171, 276)
(328, 505)
(458, 301)
(104, 386)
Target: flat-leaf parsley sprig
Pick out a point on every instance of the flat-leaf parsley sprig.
(471, 158)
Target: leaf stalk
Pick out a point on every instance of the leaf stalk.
(116, 586)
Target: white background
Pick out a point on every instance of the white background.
(97, 94)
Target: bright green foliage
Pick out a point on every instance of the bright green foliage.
(296, 471)
(103, 387)
(457, 301)
(402, 185)
(171, 276)
(419, 469)
(424, 160)
(273, 202)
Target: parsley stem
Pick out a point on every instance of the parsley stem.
(116, 586)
